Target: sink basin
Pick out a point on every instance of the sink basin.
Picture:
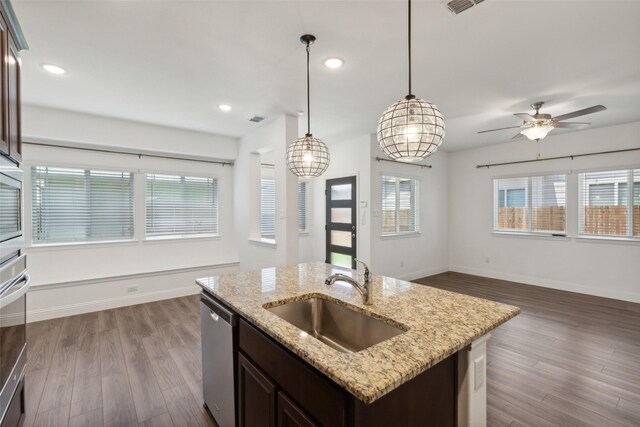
(337, 326)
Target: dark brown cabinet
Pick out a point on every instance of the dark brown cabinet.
(256, 396)
(11, 42)
(289, 415)
(305, 397)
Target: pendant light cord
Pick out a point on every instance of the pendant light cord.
(409, 44)
(308, 92)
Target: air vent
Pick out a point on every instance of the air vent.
(458, 6)
(256, 119)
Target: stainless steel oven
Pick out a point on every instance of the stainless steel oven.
(14, 283)
(11, 212)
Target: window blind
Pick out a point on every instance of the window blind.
(180, 205)
(81, 205)
(605, 208)
(530, 204)
(302, 206)
(399, 205)
(268, 208)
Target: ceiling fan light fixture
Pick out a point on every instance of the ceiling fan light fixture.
(537, 131)
(308, 156)
(410, 129)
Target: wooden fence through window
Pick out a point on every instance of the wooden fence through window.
(598, 220)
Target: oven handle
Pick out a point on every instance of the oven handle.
(5, 300)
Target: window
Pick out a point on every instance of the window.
(302, 206)
(399, 205)
(180, 205)
(81, 205)
(267, 208)
(530, 204)
(604, 208)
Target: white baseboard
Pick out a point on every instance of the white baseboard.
(546, 283)
(424, 273)
(108, 303)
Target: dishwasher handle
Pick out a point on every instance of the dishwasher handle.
(218, 311)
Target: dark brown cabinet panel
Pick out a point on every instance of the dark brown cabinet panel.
(320, 398)
(256, 396)
(14, 111)
(289, 415)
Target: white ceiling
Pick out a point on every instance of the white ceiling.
(173, 62)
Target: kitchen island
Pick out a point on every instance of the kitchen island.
(432, 371)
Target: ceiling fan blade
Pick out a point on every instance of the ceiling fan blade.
(583, 112)
(572, 125)
(526, 117)
(517, 136)
(493, 130)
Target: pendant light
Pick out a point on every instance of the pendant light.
(410, 129)
(308, 156)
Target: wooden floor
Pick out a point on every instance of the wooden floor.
(567, 360)
(130, 366)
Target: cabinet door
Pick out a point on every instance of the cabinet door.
(13, 97)
(289, 415)
(256, 396)
(4, 134)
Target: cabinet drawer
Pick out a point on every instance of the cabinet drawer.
(321, 399)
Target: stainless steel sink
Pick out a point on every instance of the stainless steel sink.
(337, 326)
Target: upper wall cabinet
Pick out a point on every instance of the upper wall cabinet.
(12, 41)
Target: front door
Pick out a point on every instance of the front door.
(340, 224)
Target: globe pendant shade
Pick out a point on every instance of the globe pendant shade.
(307, 157)
(410, 130)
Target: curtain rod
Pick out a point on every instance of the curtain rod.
(570, 156)
(381, 159)
(140, 155)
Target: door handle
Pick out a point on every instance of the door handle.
(214, 316)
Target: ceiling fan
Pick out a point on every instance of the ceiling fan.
(537, 126)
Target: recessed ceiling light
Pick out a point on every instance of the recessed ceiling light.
(54, 69)
(224, 107)
(333, 62)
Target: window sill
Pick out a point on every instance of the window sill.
(182, 238)
(270, 243)
(609, 240)
(531, 235)
(41, 247)
(400, 235)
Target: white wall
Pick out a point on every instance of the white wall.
(609, 269)
(418, 255)
(253, 252)
(70, 279)
(347, 158)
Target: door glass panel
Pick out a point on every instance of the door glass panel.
(340, 260)
(341, 215)
(341, 238)
(341, 192)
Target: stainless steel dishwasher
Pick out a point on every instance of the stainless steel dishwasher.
(218, 326)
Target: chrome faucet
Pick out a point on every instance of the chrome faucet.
(364, 289)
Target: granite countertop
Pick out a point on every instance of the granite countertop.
(439, 322)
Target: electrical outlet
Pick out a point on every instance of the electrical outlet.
(132, 289)
(479, 370)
